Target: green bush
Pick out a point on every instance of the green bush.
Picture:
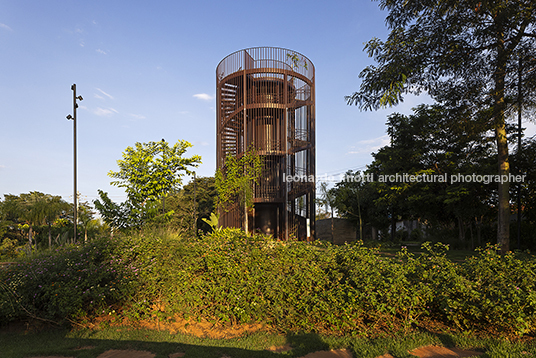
(10, 249)
(64, 284)
(228, 276)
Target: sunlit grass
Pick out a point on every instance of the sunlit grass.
(91, 343)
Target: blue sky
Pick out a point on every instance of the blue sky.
(146, 71)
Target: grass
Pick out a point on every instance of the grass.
(415, 248)
(91, 343)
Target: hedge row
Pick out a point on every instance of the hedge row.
(230, 277)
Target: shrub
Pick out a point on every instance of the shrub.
(506, 286)
(228, 276)
(67, 283)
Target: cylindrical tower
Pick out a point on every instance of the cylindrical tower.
(266, 99)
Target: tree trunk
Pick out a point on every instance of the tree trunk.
(393, 226)
(503, 217)
(472, 237)
(461, 230)
(246, 223)
(30, 234)
(374, 233)
(49, 236)
(478, 225)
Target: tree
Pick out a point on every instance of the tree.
(117, 216)
(236, 180)
(462, 52)
(9, 218)
(54, 207)
(150, 171)
(32, 211)
(524, 163)
(431, 142)
(355, 198)
(327, 199)
(191, 204)
(85, 216)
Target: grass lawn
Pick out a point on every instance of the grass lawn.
(415, 248)
(91, 343)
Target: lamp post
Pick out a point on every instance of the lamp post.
(73, 117)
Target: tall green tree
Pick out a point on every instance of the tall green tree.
(32, 211)
(460, 52)
(235, 182)
(54, 207)
(431, 142)
(524, 165)
(9, 218)
(149, 172)
(85, 216)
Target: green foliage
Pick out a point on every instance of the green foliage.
(465, 55)
(212, 221)
(295, 59)
(152, 170)
(67, 283)
(237, 178)
(191, 205)
(24, 217)
(228, 276)
(10, 249)
(434, 142)
(506, 288)
(127, 214)
(235, 182)
(149, 172)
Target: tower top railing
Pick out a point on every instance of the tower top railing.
(265, 57)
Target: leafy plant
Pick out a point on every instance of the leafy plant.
(212, 221)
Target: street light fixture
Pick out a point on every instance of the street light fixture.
(73, 117)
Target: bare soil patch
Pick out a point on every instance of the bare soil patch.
(198, 328)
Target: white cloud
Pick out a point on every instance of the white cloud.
(137, 116)
(104, 111)
(370, 145)
(100, 51)
(2, 166)
(104, 93)
(204, 96)
(4, 26)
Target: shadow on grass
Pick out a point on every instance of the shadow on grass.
(90, 344)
